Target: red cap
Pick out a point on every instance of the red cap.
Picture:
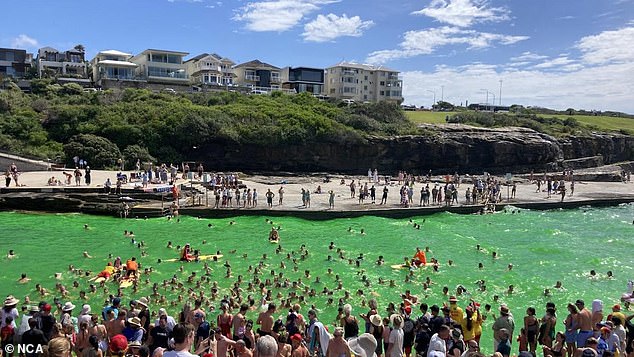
(118, 343)
(46, 307)
(616, 307)
(408, 310)
(297, 337)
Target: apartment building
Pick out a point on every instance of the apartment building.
(14, 62)
(210, 69)
(161, 66)
(112, 65)
(363, 83)
(258, 75)
(303, 79)
(67, 64)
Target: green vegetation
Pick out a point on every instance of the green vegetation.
(64, 121)
(554, 124)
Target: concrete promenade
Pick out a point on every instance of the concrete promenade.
(586, 193)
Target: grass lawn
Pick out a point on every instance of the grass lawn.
(605, 123)
(602, 122)
(425, 117)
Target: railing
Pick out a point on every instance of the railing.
(251, 77)
(267, 90)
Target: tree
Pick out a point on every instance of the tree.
(79, 48)
(100, 152)
(135, 152)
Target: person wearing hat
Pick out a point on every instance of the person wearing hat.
(349, 323)
(133, 331)
(616, 312)
(84, 315)
(338, 347)
(171, 322)
(457, 343)
(376, 330)
(116, 302)
(144, 313)
(9, 310)
(455, 311)
(46, 321)
(67, 315)
(118, 345)
(299, 349)
(364, 345)
(24, 323)
(203, 330)
(506, 322)
(504, 343)
(395, 347)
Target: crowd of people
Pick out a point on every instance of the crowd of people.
(409, 328)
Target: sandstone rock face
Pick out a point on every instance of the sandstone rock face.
(445, 148)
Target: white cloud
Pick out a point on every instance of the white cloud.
(277, 15)
(608, 47)
(329, 27)
(423, 42)
(554, 63)
(463, 13)
(600, 88)
(528, 57)
(25, 42)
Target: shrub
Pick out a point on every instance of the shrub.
(99, 152)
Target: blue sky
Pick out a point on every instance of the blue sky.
(551, 53)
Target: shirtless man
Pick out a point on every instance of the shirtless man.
(266, 320)
(242, 350)
(338, 347)
(115, 326)
(239, 322)
(584, 321)
(222, 343)
(196, 310)
(299, 350)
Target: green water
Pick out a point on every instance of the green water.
(543, 246)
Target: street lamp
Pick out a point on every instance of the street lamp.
(432, 91)
(487, 98)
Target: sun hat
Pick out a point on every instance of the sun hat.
(143, 301)
(34, 308)
(363, 346)
(118, 343)
(162, 312)
(134, 344)
(504, 309)
(453, 299)
(85, 310)
(396, 319)
(10, 301)
(68, 306)
(135, 321)
(456, 334)
(376, 320)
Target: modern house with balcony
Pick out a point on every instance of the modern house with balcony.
(303, 79)
(112, 65)
(161, 66)
(363, 83)
(14, 63)
(210, 69)
(69, 65)
(258, 75)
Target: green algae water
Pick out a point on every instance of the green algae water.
(543, 246)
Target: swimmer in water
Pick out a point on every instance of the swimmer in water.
(86, 255)
(11, 254)
(24, 279)
(362, 231)
(510, 267)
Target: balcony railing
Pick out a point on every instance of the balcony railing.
(251, 77)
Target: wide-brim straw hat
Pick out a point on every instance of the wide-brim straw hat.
(395, 317)
(135, 321)
(376, 320)
(143, 301)
(10, 301)
(363, 346)
(68, 306)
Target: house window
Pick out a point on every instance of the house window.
(382, 83)
(382, 92)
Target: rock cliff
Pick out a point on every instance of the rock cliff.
(448, 148)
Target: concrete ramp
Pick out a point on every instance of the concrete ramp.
(23, 163)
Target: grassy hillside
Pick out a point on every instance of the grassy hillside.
(606, 123)
(590, 122)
